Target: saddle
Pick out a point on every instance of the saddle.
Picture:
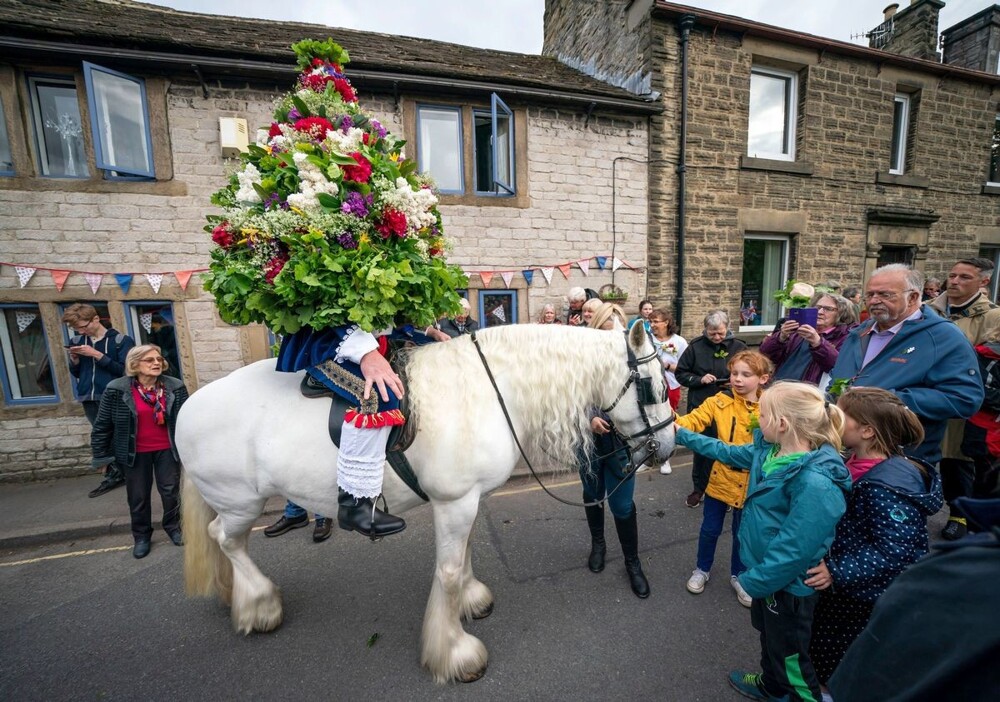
(400, 437)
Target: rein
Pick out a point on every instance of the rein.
(651, 445)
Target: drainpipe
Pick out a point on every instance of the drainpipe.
(686, 22)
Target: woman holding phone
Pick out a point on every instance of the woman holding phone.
(805, 352)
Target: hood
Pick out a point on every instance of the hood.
(897, 473)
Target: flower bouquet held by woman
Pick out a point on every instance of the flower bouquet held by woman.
(330, 237)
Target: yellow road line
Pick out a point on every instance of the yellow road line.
(533, 488)
(71, 554)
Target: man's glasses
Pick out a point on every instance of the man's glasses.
(885, 294)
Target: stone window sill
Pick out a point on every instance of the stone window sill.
(749, 163)
(991, 189)
(94, 185)
(909, 181)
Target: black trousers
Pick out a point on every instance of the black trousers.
(957, 479)
(785, 625)
(90, 410)
(162, 466)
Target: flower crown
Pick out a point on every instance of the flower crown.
(326, 223)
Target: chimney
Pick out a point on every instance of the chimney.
(912, 31)
(889, 11)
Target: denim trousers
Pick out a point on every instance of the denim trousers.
(603, 473)
(293, 511)
(712, 521)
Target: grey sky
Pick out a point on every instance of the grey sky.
(516, 25)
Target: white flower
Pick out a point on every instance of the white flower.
(312, 182)
(416, 205)
(346, 143)
(247, 178)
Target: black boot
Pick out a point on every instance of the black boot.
(359, 514)
(598, 549)
(628, 535)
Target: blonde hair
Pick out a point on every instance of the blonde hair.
(136, 354)
(811, 419)
(592, 305)
(608, 312)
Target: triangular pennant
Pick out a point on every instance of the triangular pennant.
(59, 278)
(24, 320)
(547, 272)
(584, 266)
(616, 264)
(528, 275)
(155, 279)
(499, 313)
(601, 260)
(487, 276)
(509, 276)
(183, 277)
(124, 281)
(24, 274)
(146, 320)
(564, 269)
(94, 281)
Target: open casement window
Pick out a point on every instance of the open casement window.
(6, 160)
(900, 132)
(495, 149)
(765, 271)
(773, 106)
(119, 121)
(25, 364)
(994, 176)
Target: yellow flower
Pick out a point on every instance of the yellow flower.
(394, 157)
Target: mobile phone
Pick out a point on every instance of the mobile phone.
(807, 315)
(67, 346)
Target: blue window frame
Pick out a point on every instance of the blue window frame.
(503, 145)
(119, 122)
(439, 146)
(6, 159)
(25, 364)
(497, 307)
(152, 322)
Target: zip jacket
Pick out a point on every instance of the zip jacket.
(92, 376)
(701, 357)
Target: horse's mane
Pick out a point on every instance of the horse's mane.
(550, 375)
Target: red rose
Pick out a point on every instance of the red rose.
(222, 236)
(316, 127)
(273, 268)
(345, 90)
(316, 83)
(359, 173)
(317, 62)
(393, 222)
(275, 130)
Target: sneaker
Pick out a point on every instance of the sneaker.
(741, 594)
(696, 583)
(107, 485)
(955, 529)
(747, 684)
(694, 499)
(665, 469)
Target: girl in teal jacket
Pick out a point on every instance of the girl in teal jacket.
(797, 494)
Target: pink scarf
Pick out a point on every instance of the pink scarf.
(860, 466)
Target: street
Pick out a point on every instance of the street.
(84, 620)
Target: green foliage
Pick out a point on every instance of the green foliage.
(309, 49)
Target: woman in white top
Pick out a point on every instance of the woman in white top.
(669, 347)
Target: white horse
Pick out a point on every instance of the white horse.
(251, 436)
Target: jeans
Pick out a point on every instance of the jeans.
(293, 511)
(605, 473)
(712, 521)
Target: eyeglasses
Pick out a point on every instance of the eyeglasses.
(657, 321)
(158, 359)
(826, 308)
(886, 294)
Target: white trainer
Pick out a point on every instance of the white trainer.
(741, 594)
(696, 583)
(665, 469)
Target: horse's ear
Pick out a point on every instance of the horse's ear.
(637, 335)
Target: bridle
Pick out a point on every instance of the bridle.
(644, 396)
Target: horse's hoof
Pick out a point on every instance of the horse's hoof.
(473, 676)
(484, 613)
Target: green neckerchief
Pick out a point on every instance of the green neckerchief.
(775, 462)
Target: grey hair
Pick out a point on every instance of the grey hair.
(914, 278)
(465, 304)
(933, 281)
(576, 294)
(717, 318)
(846, 314)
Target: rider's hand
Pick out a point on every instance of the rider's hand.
(599, 425)
(378, 372)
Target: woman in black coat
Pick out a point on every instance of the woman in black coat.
(702, 370)
(135, 428)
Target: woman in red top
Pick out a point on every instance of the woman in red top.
(135, 428)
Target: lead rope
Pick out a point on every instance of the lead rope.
(531, 468)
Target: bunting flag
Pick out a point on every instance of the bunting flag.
(156, 278)
(528, 275)
(564, 268)
(487, 276)
(124, 281)
(183, 277)
(601, 261)
(547, 272)
(24, 274)
(146, 320)
(508, 276)
(584, 266)
(59, 278)
(499, 313)
(616, 264)
(24, 320)
(94, 281)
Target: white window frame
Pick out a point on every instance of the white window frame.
(899, 139)
(768, 294)
(423, 149)
(791, 112)
(996, 127)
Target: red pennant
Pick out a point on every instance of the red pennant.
(183, 277)
(565, 269)
(487, 276)
(59, 278)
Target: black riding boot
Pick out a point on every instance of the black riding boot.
(598, 549)
(360, 514)
(628, 535)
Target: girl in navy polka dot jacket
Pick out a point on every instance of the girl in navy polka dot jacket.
(885, 527)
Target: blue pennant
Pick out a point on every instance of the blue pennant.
(601, 260)
(124, 281)
(528, 275)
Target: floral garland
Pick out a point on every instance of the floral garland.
(326, 223)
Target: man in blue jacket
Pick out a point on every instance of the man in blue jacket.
(96, 357)
(906, 348)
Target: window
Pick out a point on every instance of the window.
(25, 366)
(6, 160)
(153, 323)
(992, 253)
(118, 116)
(494, 148)
(765, 271)
(439, 146)
(994, 177)
(498, 307)
(773, 96)
(891, 253)
(900, 132)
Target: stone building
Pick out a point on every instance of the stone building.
(110, 145)
(781, 155)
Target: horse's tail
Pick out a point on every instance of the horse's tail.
(207, 571)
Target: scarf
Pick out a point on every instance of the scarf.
(155, 398)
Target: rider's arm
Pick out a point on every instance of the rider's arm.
(357, 343)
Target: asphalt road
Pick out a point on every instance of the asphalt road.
(86, 621)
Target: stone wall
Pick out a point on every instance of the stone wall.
(974, 43)
(915, 30)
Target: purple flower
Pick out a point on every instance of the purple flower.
(347, 241)
(379, 129)
(274, 200)
(356, 204)
(346, 123)
(294, 114)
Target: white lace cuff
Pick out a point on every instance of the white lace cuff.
(355, 345)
